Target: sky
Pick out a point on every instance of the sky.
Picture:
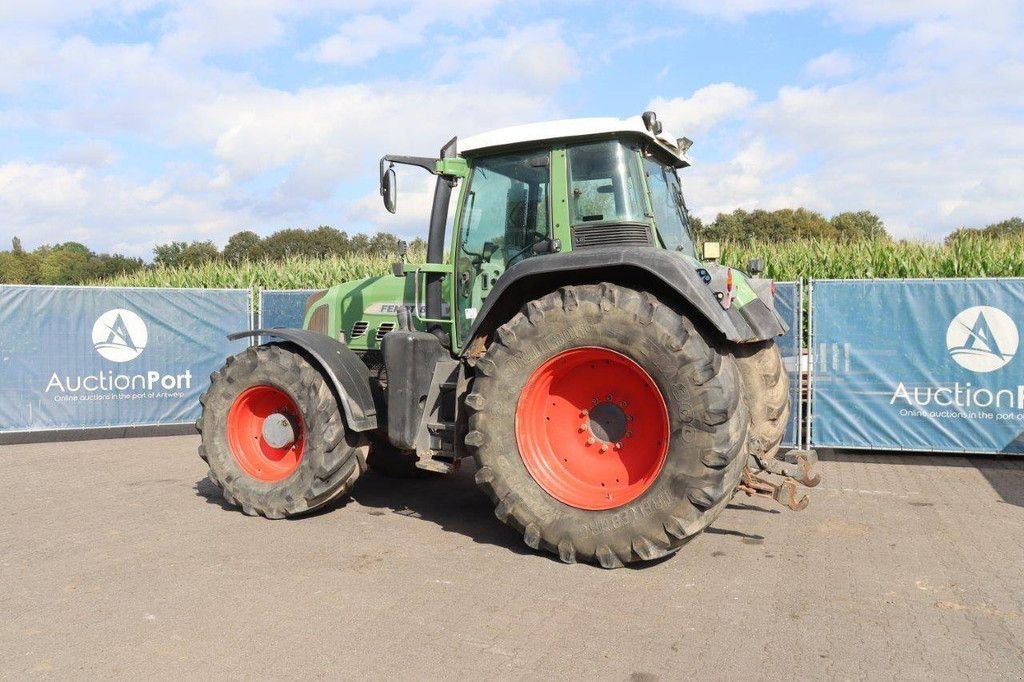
(129, 123)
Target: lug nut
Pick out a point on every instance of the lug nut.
(618, 446)
(629, 434)
(584, 413)
(590, 441)
(582, 428)
(623, 404)
(604, 448)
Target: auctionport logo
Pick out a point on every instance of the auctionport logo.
(982, 339)
(119, 335)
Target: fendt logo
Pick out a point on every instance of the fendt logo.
(119, 335)
(982, 339)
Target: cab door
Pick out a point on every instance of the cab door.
(505, 213)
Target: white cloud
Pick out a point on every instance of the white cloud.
(831, 65)
(532, 58)
(706, 108)
(362, 38)
(280, 156)
(45, 203)
(733, 10)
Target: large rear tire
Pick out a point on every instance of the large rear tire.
(303, 459)
(766, 393)
(607, 426)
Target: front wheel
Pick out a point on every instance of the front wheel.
(274, 437)
(626, 420)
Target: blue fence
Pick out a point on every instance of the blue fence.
(918, 365)
(90, 357)
(283, 308)
(903, 365)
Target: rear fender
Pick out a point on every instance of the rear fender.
(340, 366)
(662, 272)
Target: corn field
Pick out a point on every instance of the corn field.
(288, 273)
(819, 259)
(882, 259)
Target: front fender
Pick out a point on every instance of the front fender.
(339, 364)
(642, 267)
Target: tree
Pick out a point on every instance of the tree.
(63, 266)
(18, 267)
(383, 244)
(197, 253)
(359, 243)
(168, 255)
(178, 254)
(284, 243)
(245, 245)
(852, 225)
(102, 266)
(1010, 226)
(325, 241)
(696, 227)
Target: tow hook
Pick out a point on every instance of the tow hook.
(799, 468)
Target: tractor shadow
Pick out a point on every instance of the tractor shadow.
(206, 489)
(451, 501)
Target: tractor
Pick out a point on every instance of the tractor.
(614, 390)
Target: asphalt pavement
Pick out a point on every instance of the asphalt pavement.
(118, 559)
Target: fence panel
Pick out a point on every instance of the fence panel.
(283, 308)
(918, 365)
(789, 303)
(96, 357)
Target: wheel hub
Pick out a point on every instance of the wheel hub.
(278, 430)
(607, 421)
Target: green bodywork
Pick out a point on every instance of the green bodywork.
(376, 300)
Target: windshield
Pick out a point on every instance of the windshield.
(669, 209)
(605, 184)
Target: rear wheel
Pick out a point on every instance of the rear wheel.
(627, 423)
(273, 435)
(766, 393)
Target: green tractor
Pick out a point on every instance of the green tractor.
(613, 390)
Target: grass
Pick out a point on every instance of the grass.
(819, 259)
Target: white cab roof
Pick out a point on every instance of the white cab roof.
(569, 128)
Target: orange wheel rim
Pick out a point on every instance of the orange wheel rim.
(592, 428)
(246, 433)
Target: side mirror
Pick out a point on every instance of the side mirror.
(389, 189)
(755, 266)
(403, 248)
(712, 251)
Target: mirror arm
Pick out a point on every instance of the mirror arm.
(426, 163)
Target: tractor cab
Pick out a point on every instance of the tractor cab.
(544, 189)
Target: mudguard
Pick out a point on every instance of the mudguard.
(656, 269)
(342, 367)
